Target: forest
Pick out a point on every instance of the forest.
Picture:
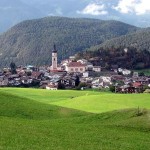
(129, 58)
(31, 42)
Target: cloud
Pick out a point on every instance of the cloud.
(6, 8)
(94, 9)
(139, 7)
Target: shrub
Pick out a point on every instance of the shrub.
(112, 88)
(147, 91)
(81, 85)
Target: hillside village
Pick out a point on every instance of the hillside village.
(73, 74)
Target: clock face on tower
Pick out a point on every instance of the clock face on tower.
(54, 54)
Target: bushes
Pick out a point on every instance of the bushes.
(112, 88)
(81, 85)
(147, 91)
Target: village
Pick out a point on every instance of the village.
(74, 74)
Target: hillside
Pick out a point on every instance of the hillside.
(139, 40)
(87, 101)
(112, 52)
(31, 42)
(36, 124)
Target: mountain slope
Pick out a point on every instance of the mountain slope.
(31, 42)
(139, 40)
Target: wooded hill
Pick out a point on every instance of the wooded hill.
(31, 42)
(112, 58)
(139, 40)
(112, 52)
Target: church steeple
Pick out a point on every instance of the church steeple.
(54, 58)
(54, 49)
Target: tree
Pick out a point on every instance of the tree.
(13, 68)
(81, 85)
(61, 85)
(77, 81)
(112, 88)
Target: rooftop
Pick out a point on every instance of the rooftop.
(76, 64)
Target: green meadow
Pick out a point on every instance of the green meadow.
(33, 119)
(145, 71)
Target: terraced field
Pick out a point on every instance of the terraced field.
(73, 120)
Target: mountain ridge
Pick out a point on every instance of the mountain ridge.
(139, 40)
(34, 38)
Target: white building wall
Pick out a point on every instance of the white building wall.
(75, 69)
(54, 61)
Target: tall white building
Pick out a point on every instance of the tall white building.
(54, 59)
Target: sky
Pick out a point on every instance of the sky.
(99, 7)
(135, 12)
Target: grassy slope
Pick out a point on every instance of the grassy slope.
(18, 107)
(106, 102)
(28, 124)
(46, 96)
(88, 101)
(91, 132)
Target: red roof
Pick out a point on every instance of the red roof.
(56, 71)
(137, 84)
(76, 64)
(36, 74)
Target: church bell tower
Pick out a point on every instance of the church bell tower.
(54, 58)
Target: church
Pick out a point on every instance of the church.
(54, 58)
(71, 66)
(54, 66)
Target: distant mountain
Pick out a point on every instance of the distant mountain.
(31, 42)
(139, 40)
(133, 12)
(13, 12)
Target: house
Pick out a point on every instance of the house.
(89, 66)
(85, 74)
(26, 80)
(135, 87)
(75, 67)
(37, 75)
(68, 81)
(135, 74)
(118, 77)
(31, 68)
(97, 68)
(4, 82)
(138, 87)
(82, 61)
(101, 82)
(126, 72)
(125, 89)
(51, 87)
(71, 58)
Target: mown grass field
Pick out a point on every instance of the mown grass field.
(73, 120)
